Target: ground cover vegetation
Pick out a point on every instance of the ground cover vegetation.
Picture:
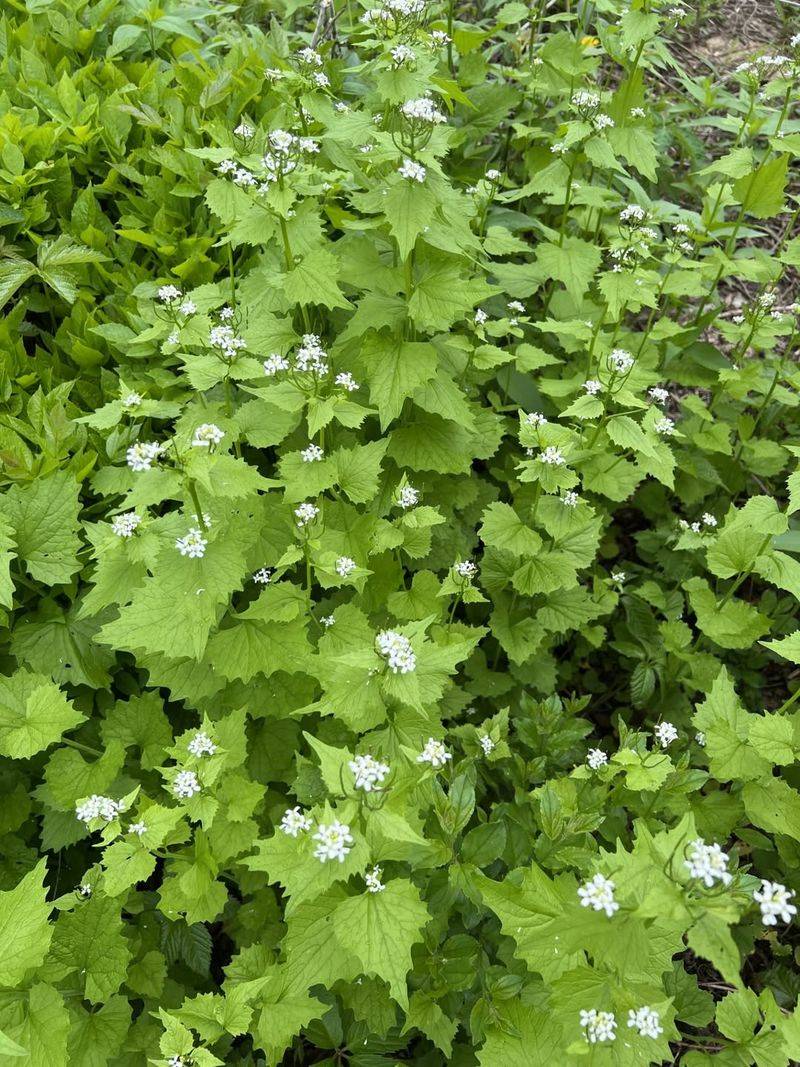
(398, 536)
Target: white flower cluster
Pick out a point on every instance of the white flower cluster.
(633, 215)
(285, 151)
(141, 456)
(585, 100)
(664, 426)
(665, 734)
(646, 1021)
(570, 500)
(169, 295)
(598, 894)
(244, 130)
(598, 1026)
(125, 525)
(658, 394)
(592, 386)
(465, 569)
(305, 513)
(201, 745)
(192, 544)
(346, 381)
(137, 828)
(311, 357)
(434, 753)
(620, 360)
(262, 576)
(535, 418)
(596, 758)
(552, 456)
(97, 807)
(131, 400)
(373, 880)
(397, 650)
(402, 54)
(345, 566)
(185, 785)
(394, 14)
(774, 900)
(295, 822)
(368, 772)
(423, 111)
(407, 497)
(486, 744)
(412, 171)
(708, 863)
(334, 840)
(223, 338)
(312, 454)
(207, 435)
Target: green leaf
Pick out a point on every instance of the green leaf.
(13, 272)
(89, 940)
(380, 930)
(395, 369)
(530, 1037)
(408, 207)
(43, 1029)
(710, 938)
(773, 805)
(502, 528)
(34, 713)
(574, 262)
(313, 281)
(24, 929)
(44, 517)
(762, 192)
(732, 625)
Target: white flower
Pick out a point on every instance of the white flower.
(295, 821)
(188, 307)
(312, 454)
(310, 57)
(552, 456)
(700, 738)
(97, 807)
(632, 214)
(423, 110)
(224, 338)
(774, 900)
(434, 753)
(140, 456)
(137, 828)
(486, 744)
(274, 363)
(245, 130)
(85, 890)
(185, 785)
(570, 500)
(598, 894)
(665, 734)
(535, 418)
(169, 294)
(664, 426)
(516, 305)
(411, 170)
(201, 745)
(345, 566)
(592, 386)
(638, 112)
(440, 37)
(346, 380)
(658, 394)
(206, 435)
(227, 166)
(193, 544)
(708, 519)
(480, 317)
(598, 1025)
(646, 1020)
(618, 576)
(465, 569)
(585, 99)
(596, 758)
(306, 513)
(407, 497)
(401, 54)
(620, 360)
(131, 400)
(262, 577)
(334, 841)
(373, 880)
(558, 147)
(322, 81)
(124, 525)
(603, 122)
(244, 177)
(327, 621)
(397, 650)
(176, 1061)
(311, 357)
(368, 772)
(708, 863)
(340, 106)
(493, 175)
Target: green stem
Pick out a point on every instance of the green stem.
(744, 575)
(81, 748)
(232, 276)
(190, 486)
